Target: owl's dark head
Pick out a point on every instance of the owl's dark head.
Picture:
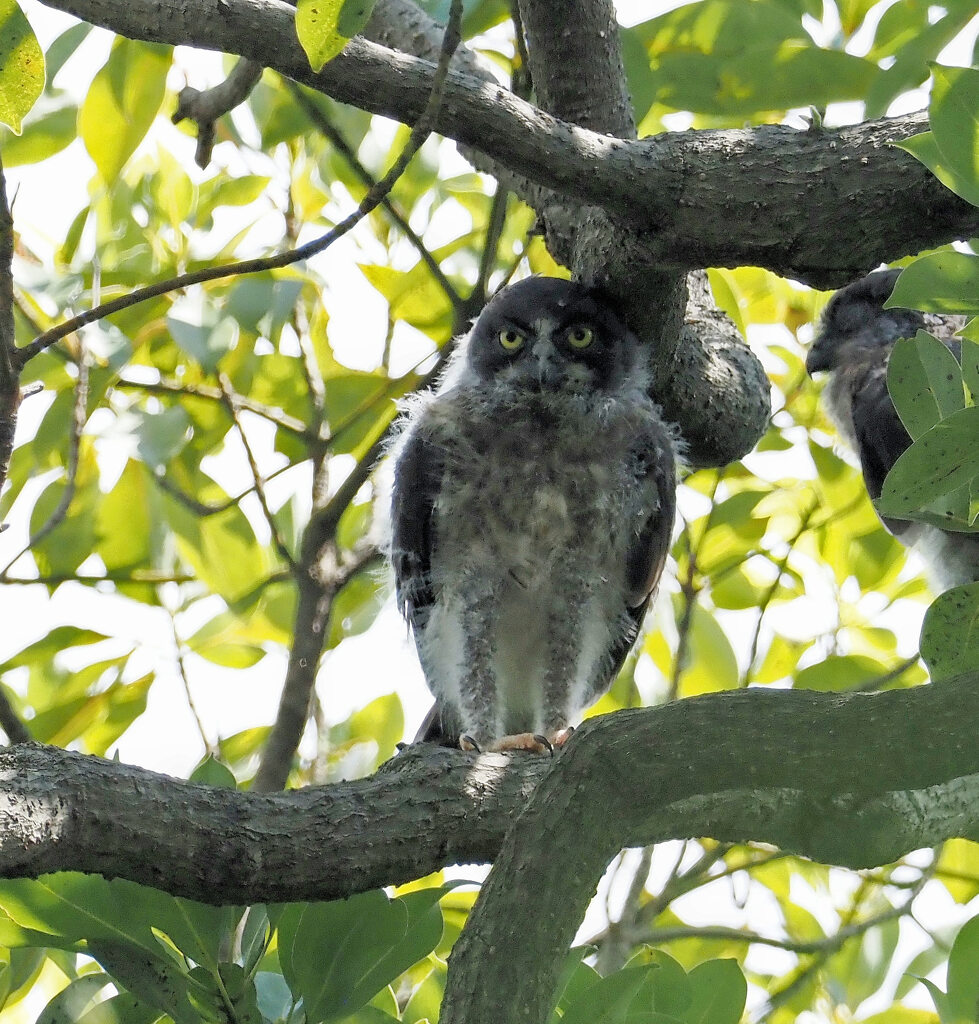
(545, 333)
(855, 318)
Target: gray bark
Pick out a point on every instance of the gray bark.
(856, 780)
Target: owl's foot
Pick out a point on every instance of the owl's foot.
(468, 743)
(534, 742)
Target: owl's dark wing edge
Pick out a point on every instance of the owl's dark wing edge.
(880, 435)
(417, 478)
(647, 553)
(646, 556)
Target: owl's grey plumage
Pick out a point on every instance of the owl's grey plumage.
(532, 508)
(853, 345)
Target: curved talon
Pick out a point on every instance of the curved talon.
(545, 743)
(466, 742)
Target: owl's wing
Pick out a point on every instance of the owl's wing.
(647, 553)
(417, 478)
(879, 433)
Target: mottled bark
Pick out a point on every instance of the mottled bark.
(854, 779)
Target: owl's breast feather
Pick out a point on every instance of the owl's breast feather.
(531, 480)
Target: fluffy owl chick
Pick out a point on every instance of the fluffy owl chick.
(853, 345)
(532, 508)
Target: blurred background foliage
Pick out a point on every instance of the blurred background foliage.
(170, 469)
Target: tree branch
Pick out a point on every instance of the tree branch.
(864, 200)
(869, 777)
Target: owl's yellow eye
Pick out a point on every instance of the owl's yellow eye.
(510, 339)
(580, 336)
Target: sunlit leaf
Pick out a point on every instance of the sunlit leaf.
(942, 282)
(21, 65)
(324, 27)
(121, 103)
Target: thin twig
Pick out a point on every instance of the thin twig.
(340, 144)
(280, 545)
(419, 134)
(828, 946)
(772, 590)
(166, 386)
(9, 376)
(178, 647)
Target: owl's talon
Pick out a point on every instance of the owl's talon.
(468, 743)
(545, 743)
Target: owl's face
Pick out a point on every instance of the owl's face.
(855, 318)
(546, 334)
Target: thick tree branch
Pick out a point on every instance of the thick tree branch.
(856, 780)
(864, 201)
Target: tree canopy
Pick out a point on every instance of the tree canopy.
(218, 278)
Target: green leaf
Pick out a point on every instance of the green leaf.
(839, 672)
(733, 60)
(221, 549)
(21, 65)
(59, 639)
(274, 997)
(970, 364)
(160, 435)
(44, 135)
(924, 381)
(122, 102)
(70, 907)
(124, 1008)
(940, 461)
(609, 999)
(355, 608)
(62, 48)
(206, 342)
(963, 976)
(954, 118)
(325, 27)
(69, 1004)
(338, 955)
(155, 980)
(941, 282)
(712, 665)
(211, 772)
(958, 869)
(719, 993)
(924, 148)
(950, 633)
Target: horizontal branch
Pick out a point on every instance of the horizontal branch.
(856, 780)
(821, 204)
